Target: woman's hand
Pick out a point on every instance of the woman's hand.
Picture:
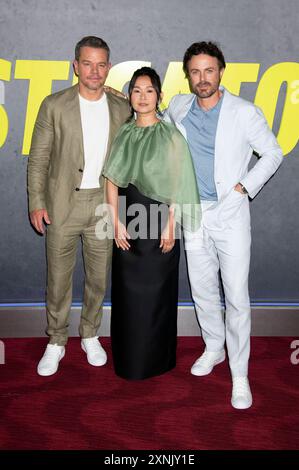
(167, 243)
(121, 236)
(120, 233)
(167, 237)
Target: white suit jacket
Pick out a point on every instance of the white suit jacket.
(241, 129)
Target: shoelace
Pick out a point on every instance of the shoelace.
(241, 385)
(53, 352)
(93, 346)
(206, 358)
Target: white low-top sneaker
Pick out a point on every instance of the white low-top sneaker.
(96, 355)
(49, 363)
(206, 362)
(241, 395)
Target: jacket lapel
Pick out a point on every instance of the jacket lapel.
(114, 120)
(73, 116)
(72, 108)
(223, 127)
(182, 113)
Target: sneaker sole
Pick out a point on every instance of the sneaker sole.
(202, 373)
(47, 374)
(241, 407)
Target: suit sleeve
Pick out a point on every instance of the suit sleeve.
(263, 141)
(39, 157)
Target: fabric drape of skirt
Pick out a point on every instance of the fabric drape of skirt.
(144, 300)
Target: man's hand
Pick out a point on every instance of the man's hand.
(37, 218)
(238, 188)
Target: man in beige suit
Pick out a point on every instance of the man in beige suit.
(70, 144)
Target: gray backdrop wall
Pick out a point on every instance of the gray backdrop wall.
(260, 32)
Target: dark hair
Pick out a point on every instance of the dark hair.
(154, 77)
(91, 41)
(203, 47)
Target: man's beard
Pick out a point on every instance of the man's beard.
(208, 92)
(94, 86)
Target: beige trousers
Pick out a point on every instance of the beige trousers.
(62, 245)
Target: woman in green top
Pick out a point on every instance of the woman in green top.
(150, 165)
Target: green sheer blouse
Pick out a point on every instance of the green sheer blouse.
(156, 159)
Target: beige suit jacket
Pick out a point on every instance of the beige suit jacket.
(56, 160)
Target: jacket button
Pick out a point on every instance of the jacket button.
(80, 169)
(77, 189)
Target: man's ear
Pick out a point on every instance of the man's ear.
(75, 67)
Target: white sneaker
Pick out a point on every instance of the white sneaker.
(241, 395)
(96, 355)
(48, 364)
(206, 362)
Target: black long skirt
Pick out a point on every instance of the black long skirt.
(144, 301)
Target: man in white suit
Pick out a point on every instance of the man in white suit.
(222, 131)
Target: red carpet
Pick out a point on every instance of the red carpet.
(84, 407)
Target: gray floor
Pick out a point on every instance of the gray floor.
(31, 322)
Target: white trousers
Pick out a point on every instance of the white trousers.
(223, 246)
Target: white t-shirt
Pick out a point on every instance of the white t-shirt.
(95, 127)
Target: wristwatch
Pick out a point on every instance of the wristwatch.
(244, 190)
